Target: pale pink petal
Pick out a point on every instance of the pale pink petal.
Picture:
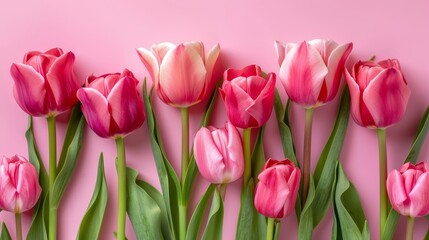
(355, 96)
(235, 163)
(210, 62)
(396, 191)
(419, 197)
(27, 188)
(198, 47)
(161, 49)
(150, 62)
(281, 51)
(324, 47)
(262, 106)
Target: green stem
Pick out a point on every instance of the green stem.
(52, 133)
(270, 228)
(307, 152)
(410, 226)
(277, 230)
(381, 133)
(122, 188)
(183, 208)
(247, 156)
(222, 190)
(18, 226)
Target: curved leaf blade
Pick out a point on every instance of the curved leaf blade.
(306, 223)
(214, 225)
(197, 217)
(4, 232)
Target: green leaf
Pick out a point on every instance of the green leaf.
(93, 219)
(214, 225)
(305, 227)
(427, 235)
(70, 157)
(143, 210)
(390, 225)
(350, 221)
(196, 219)
(258, 156)
(167, 177)
(251, 225)
(325, 169)
(4, 232)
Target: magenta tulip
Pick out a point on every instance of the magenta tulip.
(182, 74)
(111, 104)
(248, 96)
(277, 188)
(19, 184)
(379, 93)
(45, 84)
(311, 72)
(408, 189)
(219, 154)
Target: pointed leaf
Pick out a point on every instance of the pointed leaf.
(214, 225)
(197, 217)
(93, 219)
(258, 156)
(306, 223)
(4, 232)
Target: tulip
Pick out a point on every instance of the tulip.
(219, 154)
(19, 185)
(45, 83)
(379, 93)
(311, 72)
(248, 96)
(111, 104)
(182, 74)
(277, 189)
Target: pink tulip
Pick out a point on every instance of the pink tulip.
(408, 189)
(311, 72)
(45, 84)
(19, 185)
(248, 96)
(182, 74)
(219, 154)
(111, 104)
(379, 93)
(277, 188)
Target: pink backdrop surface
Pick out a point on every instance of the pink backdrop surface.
(104, 35)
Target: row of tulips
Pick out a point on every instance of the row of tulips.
(311, 73)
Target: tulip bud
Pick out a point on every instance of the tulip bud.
(408, 189)
(182, 74)
(379, 93)
(19, 185)
(45, 84)
(219, 154)
(248, 96)
(111, 104)
(311, 72)
(277, 188)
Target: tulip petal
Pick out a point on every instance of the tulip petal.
(258, 109)
(386, 97)
(96, 110)
(126, 106)
(150, 62)
(396, 191)
(419, 197)
(212, 58)
(29, 89)
(280, 50)
(235, 163)
(324, 47)
(249, 71)
(302, 73)
(160, 50)
(198, 47)
(182, 76)
(63, 82)
(27, 188)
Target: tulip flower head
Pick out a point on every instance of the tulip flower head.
(408, 189)
(111, 104)
(45, 83)
(219, 154)
(182, 74)
(248, 96)
(277, 189)
(311, 72)
(19, 184)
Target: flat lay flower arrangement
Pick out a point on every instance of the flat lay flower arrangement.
(113, 105)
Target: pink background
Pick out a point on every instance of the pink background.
(104, 35)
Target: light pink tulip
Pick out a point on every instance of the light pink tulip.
(277, 188)
(219, 154)
(45, 84)
(182, 74)
(111, 104)
(248, 96)
(408, 189)
(19, 184)
(379, 93)
(311, 72)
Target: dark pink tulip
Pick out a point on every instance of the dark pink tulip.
(248, 96)
(19, 184)
(277, 188)
(111, 104)
(219, 154)
(182, 74)
(408, 189)
(45, 83)
(311, 72)
(379, 93)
